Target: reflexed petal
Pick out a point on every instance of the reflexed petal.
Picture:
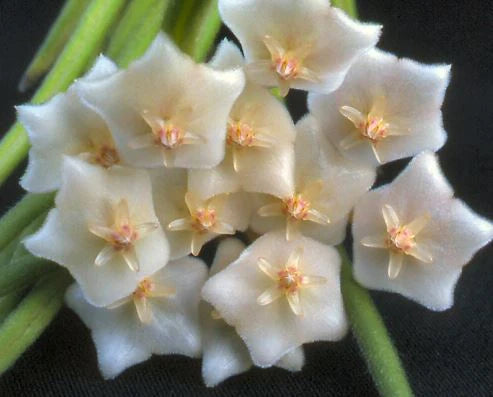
(418, 224)
(131, 259)
(313, 280)
(101, 231)
(270, 295)
(105, 255)
(295, 257)
(420, 253)
(294, 303)
(145, 228)
(193, 202)
(143, 310)
(377, 241)
(120, 302)
(223, 228)
(274, 47)
(317, 217)
(180, 224)
(268, 268)
(275, 209)
(395, 264)
(390, 217)
(354, 115)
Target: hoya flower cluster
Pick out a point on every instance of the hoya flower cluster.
(154, 161)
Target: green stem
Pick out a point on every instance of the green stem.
(134, 15)
(53, 43)
(347, 5)
(186, 8)
(76, 56)
(372, 336)
(35, 312)
(33, 227)
(8, 303)
(205, 27)
(144, 33)
(18, 217)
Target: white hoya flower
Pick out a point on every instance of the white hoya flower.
(413, 237)
(66, 126)
(224, 352)
(326, 188)
(103, 230)
(279, 295)
(386, 109)
(306, 45)
(259, 143)
(191, 221)
(159, 317)
(167, 109)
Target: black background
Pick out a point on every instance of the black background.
(445, 354)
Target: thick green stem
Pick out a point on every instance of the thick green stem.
(25, 211)
(204, 29)
(33, 227)
(35, 312)
(58, 35)
(135, 15)
(372, 336)
(144, 33)
(8, 303)
(179, 31)
(76, 56)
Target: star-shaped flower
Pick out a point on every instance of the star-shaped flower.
(259, 144)
(326, 188)
(413, 237)
(103, 230)
(66, 126)
(225, 354)
(190, 220)
(280, 294)
(297, 44)
(166, 109)
(386, 109)
(159, 317)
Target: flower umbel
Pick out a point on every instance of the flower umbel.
(289, 279)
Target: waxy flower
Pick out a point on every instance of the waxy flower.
(259, 144)
(413, 237)
(165, 109)
(279, 295)
(224, 353)
(190, 220)
(386, 109)
(297, 44)
(326, 188)
(66, 126)
(103, 230)
(159, 317)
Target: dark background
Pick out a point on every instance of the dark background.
(445, 354)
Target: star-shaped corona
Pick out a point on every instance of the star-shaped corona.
(400, 240)
(288, 280)
(121, 236)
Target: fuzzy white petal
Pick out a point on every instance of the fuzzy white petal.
(408, 96)
(332, 40)
(83, 199)
(122, 340)
(227, 56)
(273, 330)
(452, 235)
(167, 83)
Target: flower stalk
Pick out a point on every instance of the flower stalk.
(58, 35)
(8, 303)
(372, 336)
(35, 312)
